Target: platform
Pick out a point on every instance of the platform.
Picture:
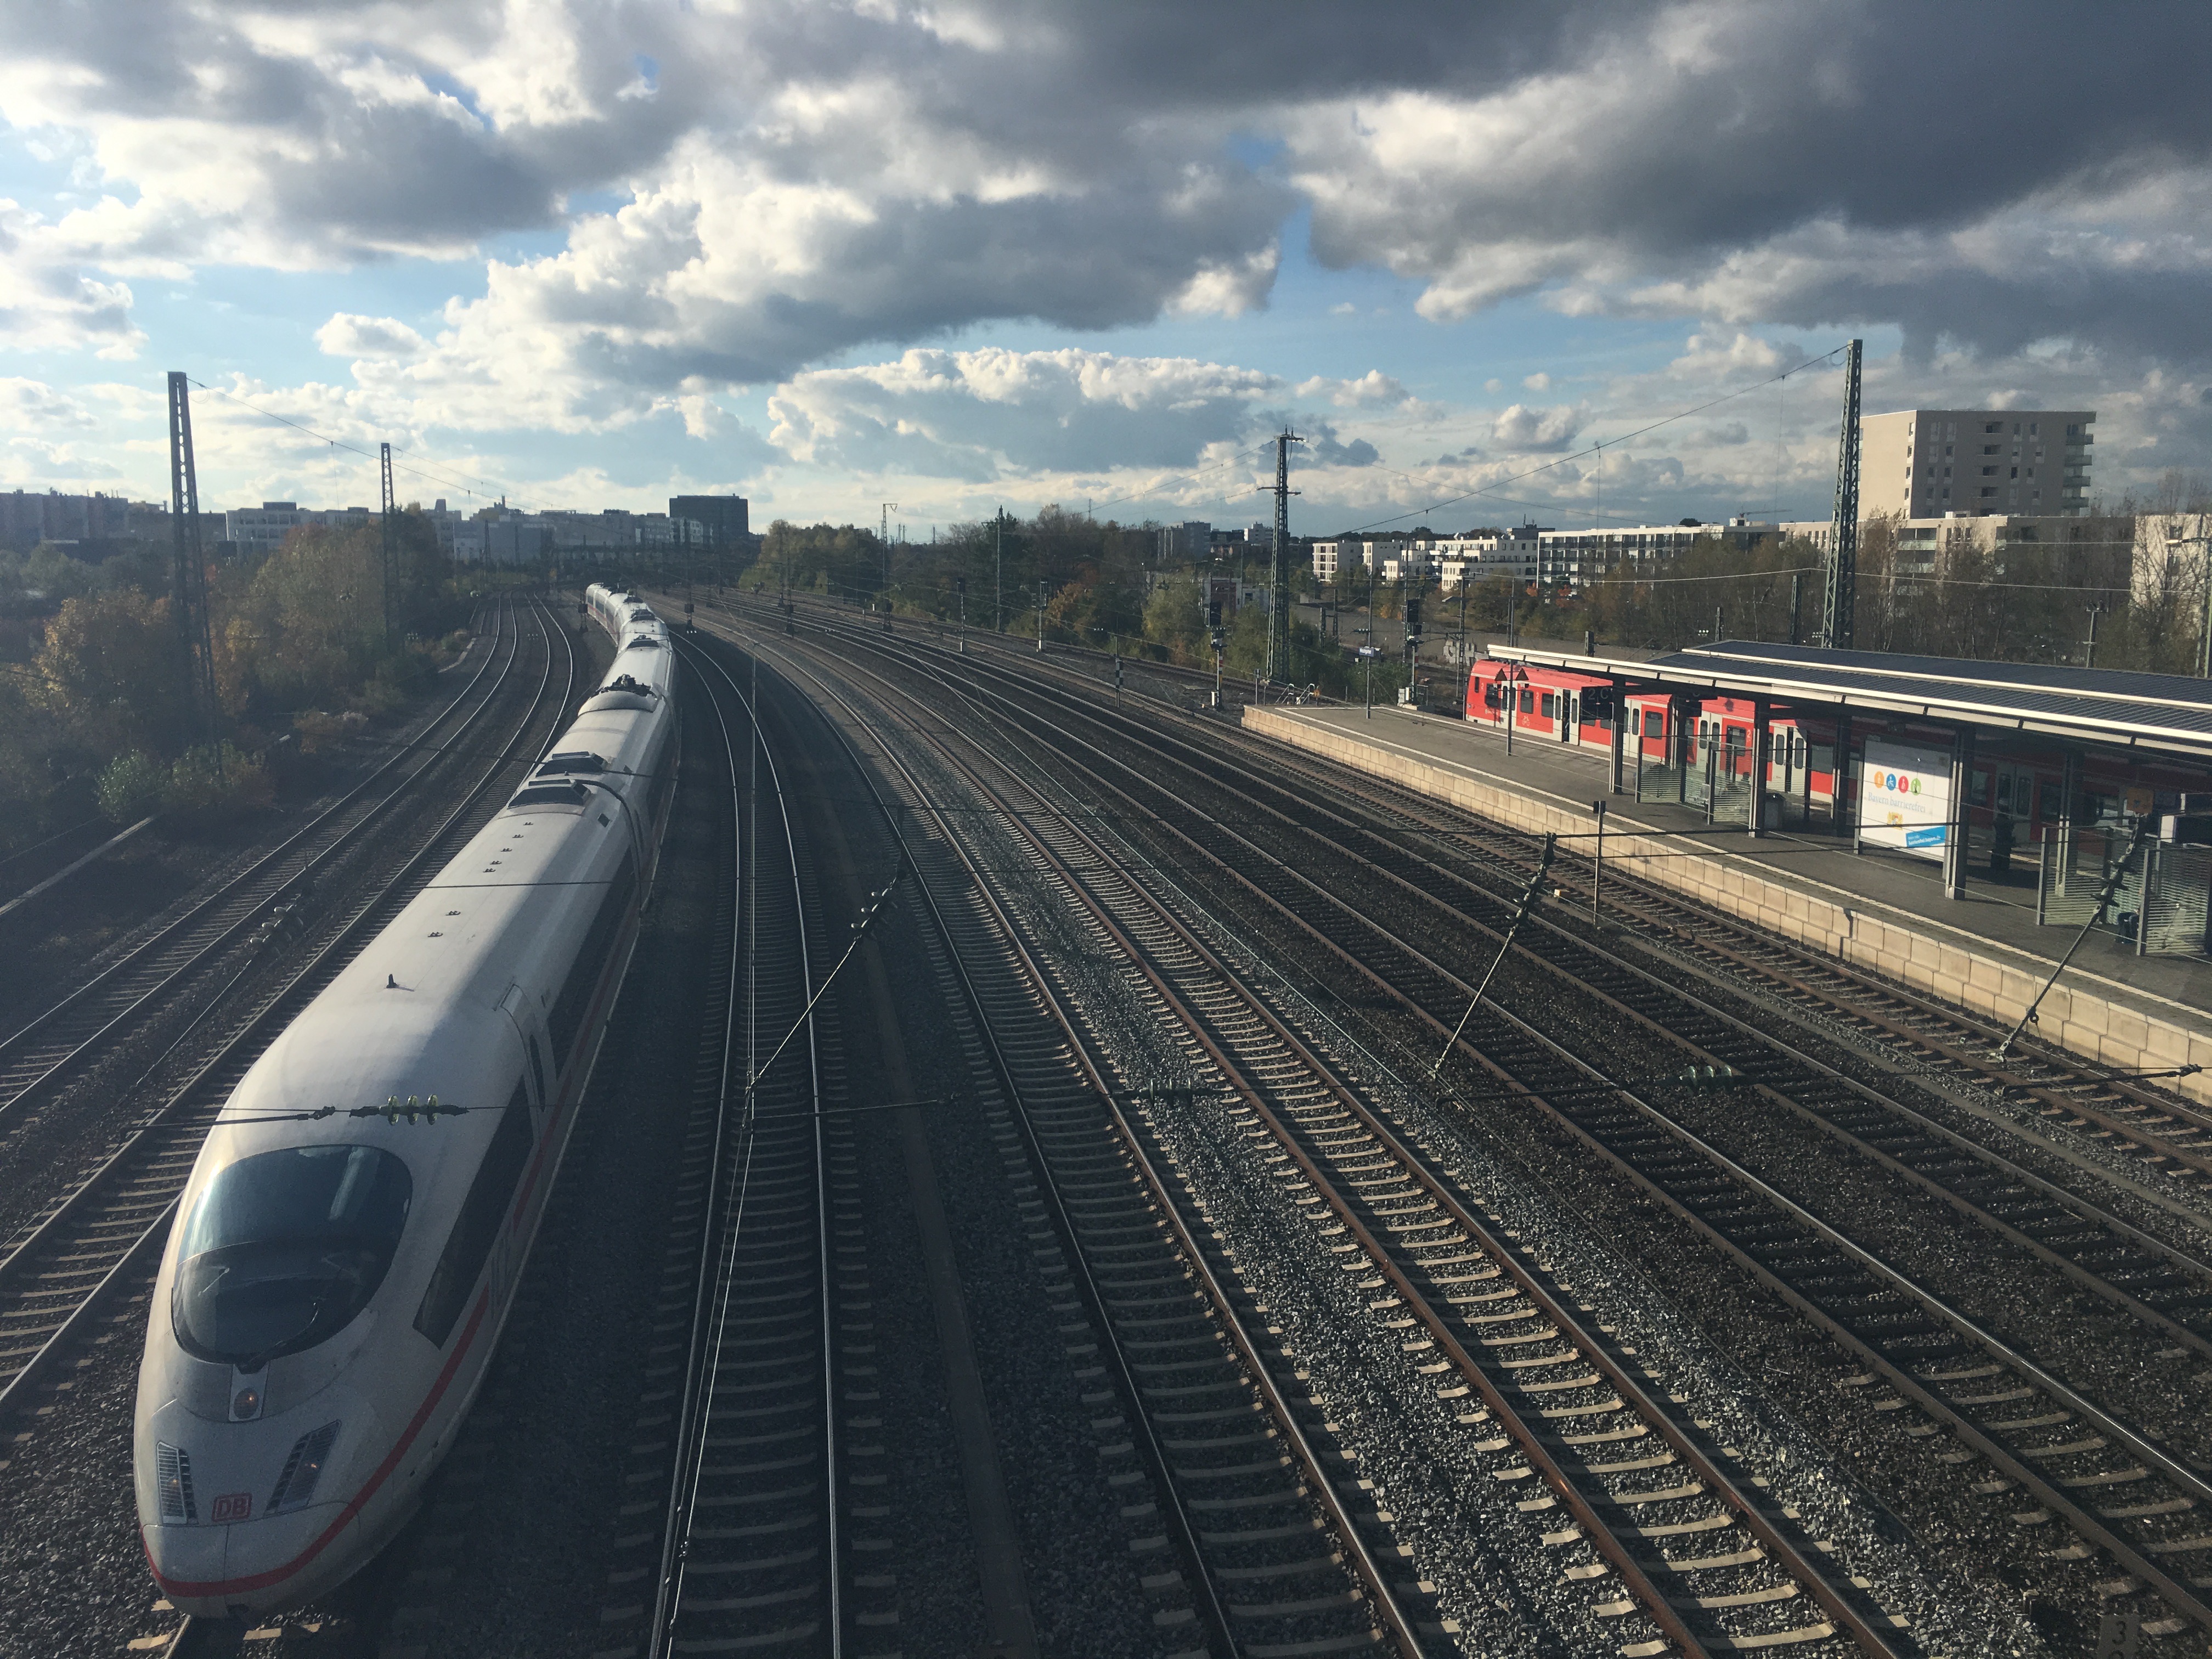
(1878, 910)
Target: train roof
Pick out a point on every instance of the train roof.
(1542, 676)
(2153, 714)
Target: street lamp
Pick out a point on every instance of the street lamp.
(1368, 652)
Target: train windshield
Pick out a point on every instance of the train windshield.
(284, 1248)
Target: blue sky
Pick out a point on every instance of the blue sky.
(830, 256)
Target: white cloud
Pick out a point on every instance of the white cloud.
(1373, 389)
(49, 301)
(348, 334)
(1680, 161)
(982, 414)
(27, 404)
(1522, 428)
(1708, 358)
(1538, 381)
(1228, 288)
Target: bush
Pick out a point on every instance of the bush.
(130, 787)
(397, 678)
(317, 729)
(216, 782)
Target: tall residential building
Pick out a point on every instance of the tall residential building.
(722, 519)
(1190, 542)
(1923, 463)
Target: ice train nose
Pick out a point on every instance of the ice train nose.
(247, 1566)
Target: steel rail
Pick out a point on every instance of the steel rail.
(712, 1224)
(1669, 911)
(2046, 1490)
(999, 647)
(2074, 1203)
(1585, 1343)
(1212, 1613)
(668, 1604)
(1419, 812)
(1694, 924)
(1655, 1605)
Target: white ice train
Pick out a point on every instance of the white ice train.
(337, 1280)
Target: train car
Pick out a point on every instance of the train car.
(1553, 703)
(344, 1255)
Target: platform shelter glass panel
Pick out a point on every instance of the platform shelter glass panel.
(2073, 868)
(2175, 902)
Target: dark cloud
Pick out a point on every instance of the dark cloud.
(1991, 176)
(803, 177)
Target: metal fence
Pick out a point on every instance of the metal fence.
(2160, 905)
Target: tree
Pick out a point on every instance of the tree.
(308, 626)
(114, 664)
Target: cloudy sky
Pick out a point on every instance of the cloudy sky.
(953, 255)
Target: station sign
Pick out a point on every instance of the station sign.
(1904, 798)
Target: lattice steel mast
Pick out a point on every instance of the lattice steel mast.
(1278, 616)
(201, 711)
(391, 543)
(1842, 596)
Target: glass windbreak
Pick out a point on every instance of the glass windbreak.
(284, 1248)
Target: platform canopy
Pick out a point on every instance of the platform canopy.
(2147, 714)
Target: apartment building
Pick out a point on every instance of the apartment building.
(1190, 542)
(261, 530)
(1388, 556)
(27, 518)
(1924, 462)
(1540, 553)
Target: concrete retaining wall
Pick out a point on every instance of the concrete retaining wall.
(2073, 1016)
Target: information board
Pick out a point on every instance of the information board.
(1904, 798)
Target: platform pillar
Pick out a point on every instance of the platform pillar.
(1619, 725)
(1839, 774)
(1955, 827)
(1759, 717)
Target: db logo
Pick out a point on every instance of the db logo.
(233, 1506)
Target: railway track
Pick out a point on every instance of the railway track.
(46, 1050)
(2079, 1234)
(751, 1547)
(98, 1234)
(2159, 1132)
(1459, 1281)
(2051, 1451)
(1257, 1551)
